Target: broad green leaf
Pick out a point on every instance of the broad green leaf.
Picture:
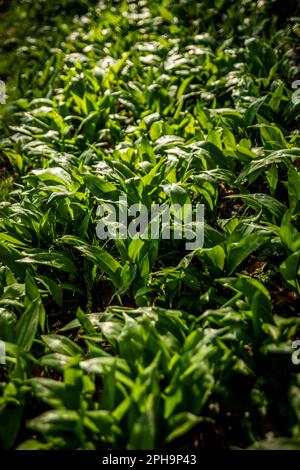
(61, 344)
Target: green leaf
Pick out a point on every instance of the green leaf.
(62, 345)
(294, 189)
(143, 433)
(55, 422)
(53, 259)
(239, 251)
(290, 270)
(104, 260)
(180, 424)
(27, 326)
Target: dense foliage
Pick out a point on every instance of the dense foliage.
(138, 344)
